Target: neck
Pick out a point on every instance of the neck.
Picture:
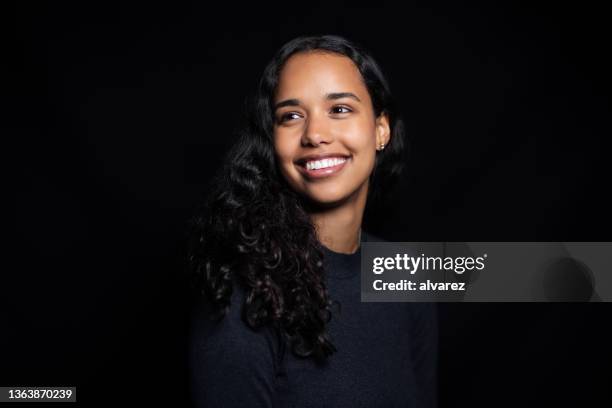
(339, 227)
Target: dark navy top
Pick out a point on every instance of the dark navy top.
(386, 353)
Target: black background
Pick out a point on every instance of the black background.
(116, 114)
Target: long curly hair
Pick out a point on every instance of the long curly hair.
(253, 230)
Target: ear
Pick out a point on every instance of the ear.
(383, 131)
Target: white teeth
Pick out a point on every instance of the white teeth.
(321, 164)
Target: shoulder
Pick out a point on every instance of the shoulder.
(424, 317)
(229, 338)
(231, 364)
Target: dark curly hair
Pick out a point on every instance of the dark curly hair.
(253, 229)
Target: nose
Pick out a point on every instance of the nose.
(317, 131)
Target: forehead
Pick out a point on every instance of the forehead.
(314, 74)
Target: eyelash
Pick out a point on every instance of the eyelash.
(283, 117)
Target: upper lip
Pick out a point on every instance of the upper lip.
(304, 159)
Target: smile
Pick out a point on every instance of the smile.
(323, 168)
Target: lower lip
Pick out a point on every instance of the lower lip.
(325, 172)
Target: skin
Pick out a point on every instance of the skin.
(315, 124)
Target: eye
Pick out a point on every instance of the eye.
(287, 116)
(347, 110)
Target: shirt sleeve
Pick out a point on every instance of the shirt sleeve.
(231, 365)
(425, 352)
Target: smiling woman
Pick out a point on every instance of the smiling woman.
(333, 118)
(276, 249)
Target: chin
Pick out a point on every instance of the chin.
(328, 202)
(327, 198)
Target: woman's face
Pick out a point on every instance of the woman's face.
(325, 131)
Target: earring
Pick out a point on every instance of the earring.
(381, 146)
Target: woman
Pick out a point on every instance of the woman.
(276, 250)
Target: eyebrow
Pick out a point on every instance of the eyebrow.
(329, 96)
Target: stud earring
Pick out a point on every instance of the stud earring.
(381, 146)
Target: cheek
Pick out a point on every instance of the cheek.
(285, 153)
(360, 137)
(281, 148)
